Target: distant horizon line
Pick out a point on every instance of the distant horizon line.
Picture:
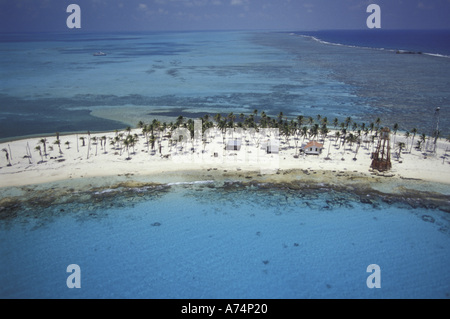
(83, 31)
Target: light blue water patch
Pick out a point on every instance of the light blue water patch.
(207, 242)
(197, 71)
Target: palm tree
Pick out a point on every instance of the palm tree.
(126, 142)
(407, 136)
(82, 140)
(44, 142)
(335, 122)
(7, 156)
(152, 141)
(348, 120)
(337, 134)
(314, 131)
(400, 146)
(344, 135)
(231, 117)
(280, 117)
(179, 121)
(319, 117)
(96, 144)
(378, 123)
(38, 148)
(134, 140)
(300, 120)
(351, 138)
(304, 132)
(423, 139)
(395, 129)
(140, 124)
(414, 132)
(358, 142)
(104, 144)
(324, 131)
(217, 118)
(58, 142)
(68, 144)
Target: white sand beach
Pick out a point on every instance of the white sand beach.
(102, 156)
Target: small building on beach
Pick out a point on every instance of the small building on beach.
(271, 146)
(234, 144)
(312, 148)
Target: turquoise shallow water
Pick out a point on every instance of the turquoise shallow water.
(53, 83)
(210, 241)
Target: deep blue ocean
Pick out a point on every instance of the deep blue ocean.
(433, 42)
(221, 239)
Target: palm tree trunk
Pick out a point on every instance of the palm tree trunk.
(10, 153)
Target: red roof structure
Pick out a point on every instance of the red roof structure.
(313, 147)
(313, 144)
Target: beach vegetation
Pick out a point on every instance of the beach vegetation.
(7, 156)
(58, 142)
(413, 132)
(407, 136)
(43, 141)
(38, 149)
(400, 147)
(423, 139)
(348, 134)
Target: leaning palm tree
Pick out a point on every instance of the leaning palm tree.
(7, 156)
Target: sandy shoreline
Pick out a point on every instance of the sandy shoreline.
(166, 163)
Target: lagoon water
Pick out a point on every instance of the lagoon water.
(200, 240)
(53, 83)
